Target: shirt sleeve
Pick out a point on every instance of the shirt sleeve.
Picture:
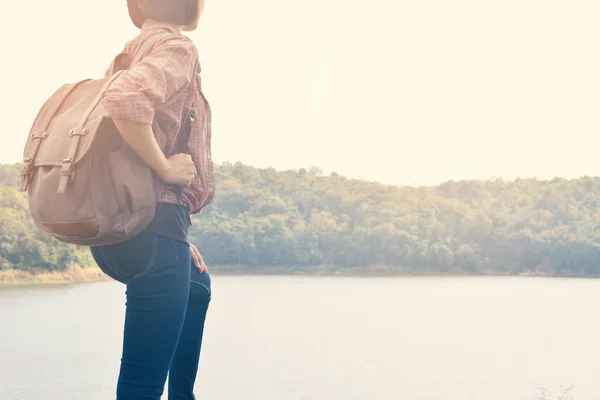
(139, 91)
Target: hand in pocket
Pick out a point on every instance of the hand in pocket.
(197, 259)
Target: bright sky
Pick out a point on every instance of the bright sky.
(398, 91)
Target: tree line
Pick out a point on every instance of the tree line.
(268, 219)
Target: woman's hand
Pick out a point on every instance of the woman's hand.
(180, 170)
(197, 259)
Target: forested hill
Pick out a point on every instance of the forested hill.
(262, 218)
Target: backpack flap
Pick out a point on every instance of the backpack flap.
(60, 137)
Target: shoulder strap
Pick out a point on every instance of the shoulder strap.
(124, 61)
(182, 139)
(148, 45)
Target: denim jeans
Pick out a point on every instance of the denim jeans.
(167, 301)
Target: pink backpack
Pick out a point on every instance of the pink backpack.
(84, 184)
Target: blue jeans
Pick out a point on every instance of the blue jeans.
(167, 301)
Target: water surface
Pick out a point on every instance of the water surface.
(304, 338)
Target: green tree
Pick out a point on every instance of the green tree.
(268, 218)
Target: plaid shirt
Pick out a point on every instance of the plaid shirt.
(157, 91)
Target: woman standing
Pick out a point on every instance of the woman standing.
(155, 104)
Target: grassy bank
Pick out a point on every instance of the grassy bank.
(73, 274)
(94, 274)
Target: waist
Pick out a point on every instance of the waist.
(170, 220)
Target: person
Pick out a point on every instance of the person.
(168, 287)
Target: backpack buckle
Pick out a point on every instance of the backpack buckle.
(26, 173)
(66, 174)
(67, 167)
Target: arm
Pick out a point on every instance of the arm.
(151, 83)
(141, 139)
(178, 169)
(131, 99)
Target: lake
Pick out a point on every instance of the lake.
(326, 338)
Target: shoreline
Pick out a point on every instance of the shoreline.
(76, 274)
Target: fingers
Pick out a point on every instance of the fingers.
(196, 261)
(194, 253)
(181, 156)
(191, 168)
(193, 175)
(197, 258)
(188, 169)
(182, 170)
(203, 268)
(187, 159)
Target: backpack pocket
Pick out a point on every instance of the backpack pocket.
(133, 181)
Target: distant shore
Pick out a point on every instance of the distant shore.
(380, 271)
(94, 274)
(69, 275)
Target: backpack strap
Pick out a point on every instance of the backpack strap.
(67, 169)
(148, 45)
(124, 61)
(182, 139)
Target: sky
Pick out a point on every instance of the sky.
(402, 92)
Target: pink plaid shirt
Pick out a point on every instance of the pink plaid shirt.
(157, 91)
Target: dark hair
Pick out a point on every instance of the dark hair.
(175, 12)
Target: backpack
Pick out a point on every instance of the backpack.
(84, 184)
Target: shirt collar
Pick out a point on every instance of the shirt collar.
(153, 24)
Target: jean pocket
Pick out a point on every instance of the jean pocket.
(200, 283)
(132, 258)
